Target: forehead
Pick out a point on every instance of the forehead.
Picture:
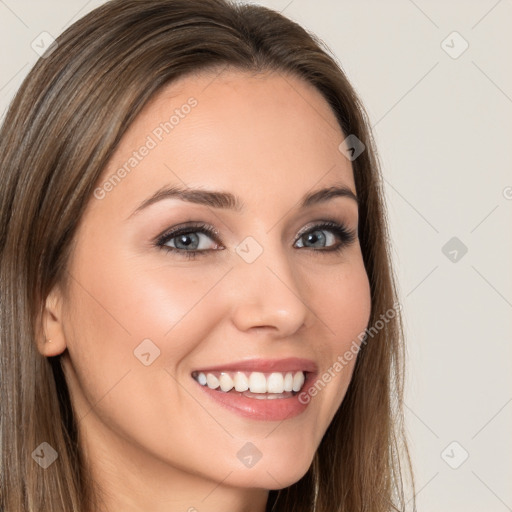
(253, 134)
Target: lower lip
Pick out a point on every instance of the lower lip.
(264, 409)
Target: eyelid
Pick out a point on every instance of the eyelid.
(192, 226)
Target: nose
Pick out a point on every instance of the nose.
(267, 295)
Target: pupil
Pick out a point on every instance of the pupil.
(312, 237)
(185, 240)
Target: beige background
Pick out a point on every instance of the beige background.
(443, 126)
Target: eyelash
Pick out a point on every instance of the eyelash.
(345, 235)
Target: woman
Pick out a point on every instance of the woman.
(198, 309)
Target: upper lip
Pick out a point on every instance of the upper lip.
(266, 365)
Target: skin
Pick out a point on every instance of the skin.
(152, 438)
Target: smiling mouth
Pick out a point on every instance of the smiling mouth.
(254, 384)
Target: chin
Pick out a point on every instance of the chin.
(274, 474)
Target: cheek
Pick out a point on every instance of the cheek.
(122, 312)
(121, 309)
(343, 304)
(126, 298)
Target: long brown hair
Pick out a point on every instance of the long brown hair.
(58, 135)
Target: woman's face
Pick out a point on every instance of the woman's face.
(147, 309)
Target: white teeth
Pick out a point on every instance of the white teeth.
(275, 383)
(211, 381)
(241, 382)
(288, 382)
(298, 381)
(256, 382)
(226, 382)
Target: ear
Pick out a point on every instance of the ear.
(52, 342)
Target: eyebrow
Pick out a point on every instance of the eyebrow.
(226, 200)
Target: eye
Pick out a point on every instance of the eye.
(323, 237)
(190, 241)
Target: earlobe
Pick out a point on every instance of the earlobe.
(52, 342)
